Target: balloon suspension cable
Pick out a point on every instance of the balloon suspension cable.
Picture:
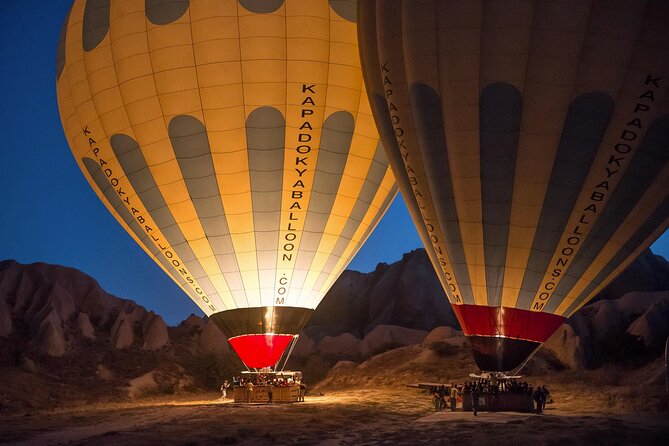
(522, 364)
(287, 353)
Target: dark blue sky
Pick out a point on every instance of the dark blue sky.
(50, 214)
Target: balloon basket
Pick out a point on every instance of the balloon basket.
(284, 387)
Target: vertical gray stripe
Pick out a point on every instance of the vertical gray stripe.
(265, 136)
(640, 236)
(131, 159)
(162, 12)
(381, 114)
(586, 121)
(501, 107)
(114, 200)
(346, 9)
(426, 106)
(60, 49)
(376, 172)
(261, 6)
(386, 203)
(645, 166)
(191, 148)
(335, 145)
(96, 23)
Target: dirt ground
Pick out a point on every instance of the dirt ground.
(351, 417)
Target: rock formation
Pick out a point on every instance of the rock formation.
(441, 334)
(59, 305)
(406, 293)
(154, 332)
(56, 323)
(85, 327)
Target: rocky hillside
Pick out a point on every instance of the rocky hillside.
(64, 338)
(406, 293)
(55, 308)
(61, 334)
(396, 304)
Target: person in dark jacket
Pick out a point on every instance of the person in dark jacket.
(544, 397)
(537, 397)
(475, 400)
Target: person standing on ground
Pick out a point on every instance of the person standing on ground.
(270, 394)
(302, 392)
(536, 396)
(544, 397)
(475, 400)
(224, 390)
(454, 397)
(437, 399)
(249, 391)
(442, 397)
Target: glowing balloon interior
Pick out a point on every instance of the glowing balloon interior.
(530, 141)
(233, 140)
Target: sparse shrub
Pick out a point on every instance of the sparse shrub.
(441, 348)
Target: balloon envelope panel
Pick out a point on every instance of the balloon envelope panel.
(530, 140)
(233, 140)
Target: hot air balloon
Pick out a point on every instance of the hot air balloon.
(530, 141)
(234, 142)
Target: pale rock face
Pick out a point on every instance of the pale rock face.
(62, 301)
(122, 335)
(344, 345)
(123, 330)
(566, 346)
(194, 321)
(212, 340)
(441, 334)
(141, 384)
(653, 325)
(48, 334)
(155, 333)
(85, 327)
(390, 336)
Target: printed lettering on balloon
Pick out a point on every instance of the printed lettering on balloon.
(609, 174)
(297, 180)
(420, 192)
(138, 212)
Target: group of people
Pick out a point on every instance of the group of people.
(267, 381)
(495, 394)
(498, 386)
(445, 396)
(540, 396)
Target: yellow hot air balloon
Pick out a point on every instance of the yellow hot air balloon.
(530, 140)
(234, 141)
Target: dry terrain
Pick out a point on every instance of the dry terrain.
(608, 406)
(363, 416)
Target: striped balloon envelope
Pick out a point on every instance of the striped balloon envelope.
(233, 140)
(530, 141)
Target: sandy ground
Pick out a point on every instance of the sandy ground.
(352, 417)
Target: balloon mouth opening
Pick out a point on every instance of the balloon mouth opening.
(260, 350)
(500, 354)
(503, 338)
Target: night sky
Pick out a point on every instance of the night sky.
(50, 213)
